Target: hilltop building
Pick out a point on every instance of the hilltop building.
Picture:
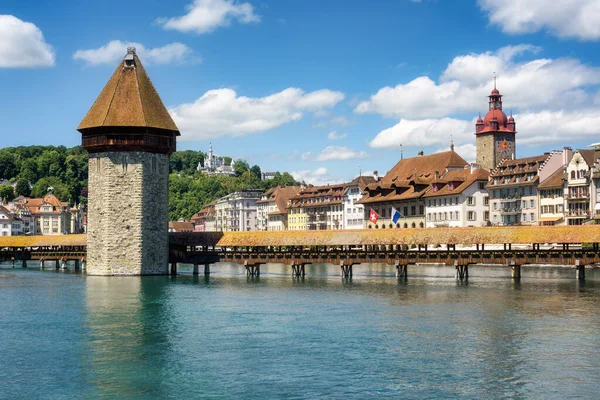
(215, 165)
(129, 136)
(495, 134)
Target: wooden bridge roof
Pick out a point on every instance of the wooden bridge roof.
(430, 236)
(43, 241)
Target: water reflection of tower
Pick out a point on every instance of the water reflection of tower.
(128, 337)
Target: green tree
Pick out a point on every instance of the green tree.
(255, 170)
(6, 192)
(241, 167)
(8, 165)
(22, 188)
(61, 190)
(227, 160)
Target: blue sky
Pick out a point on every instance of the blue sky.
(317, 88)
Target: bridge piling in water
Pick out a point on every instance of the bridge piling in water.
(346, 269)
(401, 270)
(24, 263)
(252, 269)
(63, 264)
(77, 265)
(298, 270)
(462, 271)
(195, 270)
(206, 269)
(42, 263)
(580, 270)
(13, 262)
(173, 268)
(57, 265)
(515, 270)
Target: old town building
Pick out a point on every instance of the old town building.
(354, 212)
(317, 208)
(458, 199)
(237, 211)
(204, 220)
(10, 223)
(272, 214)
(551, 188)
(513, 191)
(404, 186)
(495, 134)
(580, 192)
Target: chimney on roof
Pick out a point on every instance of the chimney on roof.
(473, 167)
(376, 176)
(436, 174)
(420, 152)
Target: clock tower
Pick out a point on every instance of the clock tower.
(495, 134)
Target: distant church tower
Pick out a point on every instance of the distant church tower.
(495, 134)
(129, 136)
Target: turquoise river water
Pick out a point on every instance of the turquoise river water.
(65, 335)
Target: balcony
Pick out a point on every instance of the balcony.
(578, 196)
(510, 199)
(578, 214)
(510, 210)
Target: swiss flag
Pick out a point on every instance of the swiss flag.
(373, 216)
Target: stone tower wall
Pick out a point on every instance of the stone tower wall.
(128, 212)
(488, 155)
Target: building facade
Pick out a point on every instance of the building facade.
(581, 190)
(129, 136)
(513, 189)
(458, 199)
(237, 211)
(495, 134)
(354, 211)
(403, 188)
(203, 218)
(272, 213)
(317, 208)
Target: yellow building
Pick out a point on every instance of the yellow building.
(297, 218)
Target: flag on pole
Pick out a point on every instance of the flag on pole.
(373, 216)
(395, 215)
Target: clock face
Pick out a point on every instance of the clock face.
(498, 105)
(491, 105)
(504, 146)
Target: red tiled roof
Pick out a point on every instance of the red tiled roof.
(553, 181)
(461, 179)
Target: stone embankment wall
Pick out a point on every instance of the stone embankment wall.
(128, 211)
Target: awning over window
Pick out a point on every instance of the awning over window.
(550, 219)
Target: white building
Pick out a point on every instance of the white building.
(10, 224)
(580, 192)
(551, 188)
(215, 165)
(354, 213)
(237, 211)
(458, 199)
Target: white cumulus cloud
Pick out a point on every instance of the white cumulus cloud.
(560, 126)
(22, 45)
(333, 135)
(339, 153)
(110, 53)
(424, 133)
(221, 112)
(467, 80)
(563, 18)
(205, 16)
(315, 177)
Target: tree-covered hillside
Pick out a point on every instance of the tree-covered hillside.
(66, 170)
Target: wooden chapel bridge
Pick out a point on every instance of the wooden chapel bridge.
(462, 248)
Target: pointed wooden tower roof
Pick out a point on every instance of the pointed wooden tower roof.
(129, 104)
(129, 99)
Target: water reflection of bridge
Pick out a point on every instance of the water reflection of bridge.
(460, 247)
